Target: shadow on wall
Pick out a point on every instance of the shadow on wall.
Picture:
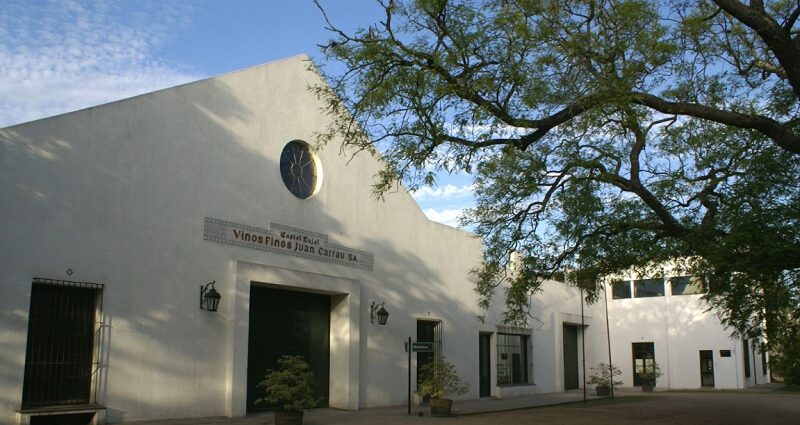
(13, 333)
(120, 192)
(678, 325)
(418, 292)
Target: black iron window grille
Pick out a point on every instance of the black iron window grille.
(514, 360)
(61, 355)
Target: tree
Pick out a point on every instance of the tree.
(604, 135)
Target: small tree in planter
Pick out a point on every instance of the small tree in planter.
(602, 376)
(290, 389)
(438, 379)
(650, 372)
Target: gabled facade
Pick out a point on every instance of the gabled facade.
(116, 216)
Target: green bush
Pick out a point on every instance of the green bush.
(439, 379)
(785, 361)
(290, 387)
(603, 374)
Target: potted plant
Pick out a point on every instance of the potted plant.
(648, 374)
(439, 379)
(603, 376)
(289, 389)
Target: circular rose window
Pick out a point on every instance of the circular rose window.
(298, 169)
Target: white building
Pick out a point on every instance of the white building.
(115, 216)
(665, 320)
(149, 198)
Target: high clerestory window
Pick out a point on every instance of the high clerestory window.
(686, 285)
(621, 289)
(648, 288)
(644, 288)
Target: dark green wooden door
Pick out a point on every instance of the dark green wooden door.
(571, 357)
(484, 364)
(287, 322)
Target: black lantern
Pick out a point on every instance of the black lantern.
(209, 297)
(382, 314)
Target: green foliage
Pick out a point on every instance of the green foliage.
(651, 372)
(290, 387)
(439, 378)
(604, 136)
(785, 358)
(603, 374)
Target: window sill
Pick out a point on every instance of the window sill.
(515, 385)
(54, 410)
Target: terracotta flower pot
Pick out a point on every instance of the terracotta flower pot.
(288, 417)
(441, 406)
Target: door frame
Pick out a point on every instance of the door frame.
(484, 383)
(637, 382)
(344, 334)
(707, 355)
(564, 340)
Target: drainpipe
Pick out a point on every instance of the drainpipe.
(583, 348)
(608, 334)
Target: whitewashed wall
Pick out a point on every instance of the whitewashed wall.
(118, 193)
(679, 326)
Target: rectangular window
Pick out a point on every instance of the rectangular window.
(621, 289)
(513, 359)
(763, 360)
(746, 357)
(648, 288)
(686, 285)
(59, 357)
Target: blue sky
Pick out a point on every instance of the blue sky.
(60, 56)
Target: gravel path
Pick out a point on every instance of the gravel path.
(671, 408)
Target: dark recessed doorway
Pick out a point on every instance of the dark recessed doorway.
(287, 322)
(570, 345)
(707, 368)
(484, 364)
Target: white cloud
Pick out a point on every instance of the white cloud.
(59, 56)
(445, 216)
(445, 192)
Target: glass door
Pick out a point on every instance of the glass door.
(644, 363)
(707, 368)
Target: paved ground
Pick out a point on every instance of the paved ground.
(752, 407)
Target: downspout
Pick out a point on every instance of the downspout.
(608, 335)
(583, 348)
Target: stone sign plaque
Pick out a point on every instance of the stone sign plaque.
(286, 240)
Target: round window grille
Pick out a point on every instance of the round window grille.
(298, 169)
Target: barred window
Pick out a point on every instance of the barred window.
(513, 359)
(59, 362)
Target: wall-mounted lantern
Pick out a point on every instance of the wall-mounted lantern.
(381, 313)
(209, 297)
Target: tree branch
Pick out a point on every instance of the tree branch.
(776, 37)
(778, 132)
